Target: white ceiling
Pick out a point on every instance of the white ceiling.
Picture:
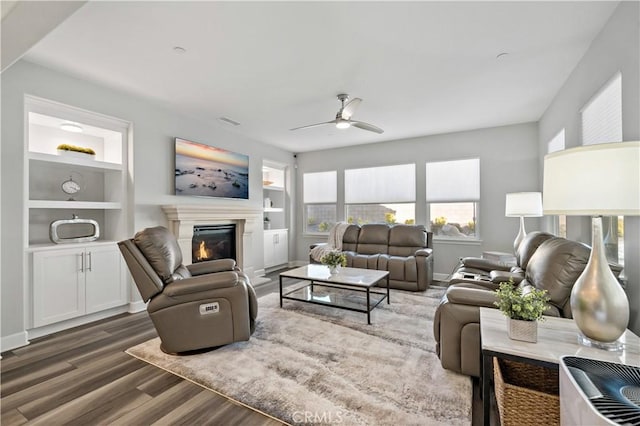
(421, 67)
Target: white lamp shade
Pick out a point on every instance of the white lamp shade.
(593, 180)
(523, 204)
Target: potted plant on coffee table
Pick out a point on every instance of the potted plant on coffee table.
(333, 260)
(522, 309)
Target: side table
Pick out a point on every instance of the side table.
(556, 337)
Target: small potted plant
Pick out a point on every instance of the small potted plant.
(523, 311)
(333, 260)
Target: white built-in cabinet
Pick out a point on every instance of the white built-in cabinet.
(71, 282)
(276, 247)
(74, 280)
(276, 235)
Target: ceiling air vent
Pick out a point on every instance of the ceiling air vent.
(226, 120)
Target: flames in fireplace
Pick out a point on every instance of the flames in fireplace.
(213, 242)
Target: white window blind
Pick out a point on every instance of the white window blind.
(388, 184)
(557, 143)
(320, 187)
(602, 115)
(449, 181)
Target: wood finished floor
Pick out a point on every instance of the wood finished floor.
(82, 376)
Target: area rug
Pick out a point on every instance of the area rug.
(314, 364)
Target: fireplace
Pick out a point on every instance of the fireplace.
(212, 242)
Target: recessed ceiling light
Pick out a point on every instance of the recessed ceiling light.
(71, 127)
(502, 55)
(179, 50)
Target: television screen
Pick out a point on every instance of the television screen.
(207, 171)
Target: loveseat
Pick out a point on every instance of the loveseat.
(544, 262)
(406, 251)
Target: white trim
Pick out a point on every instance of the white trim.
(74, 322)
(137, 306)
(13, 341)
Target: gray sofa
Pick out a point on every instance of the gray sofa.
(406, 251)
(544, 262)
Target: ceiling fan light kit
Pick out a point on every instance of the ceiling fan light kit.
(343, 117)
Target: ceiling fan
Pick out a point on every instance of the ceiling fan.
(343, 117)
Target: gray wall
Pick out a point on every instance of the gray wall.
(152, 147)
(615, 49)
(508, 163)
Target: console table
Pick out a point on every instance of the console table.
(556, 337)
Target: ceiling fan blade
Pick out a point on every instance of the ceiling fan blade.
(350, 108)
(366, 126)
(315, 125)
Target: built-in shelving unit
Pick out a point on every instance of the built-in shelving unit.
(276, 235)
(73, 282)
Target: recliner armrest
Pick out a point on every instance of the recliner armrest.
(201, 283)
(484, 264)
(212, 266)
(471, 295)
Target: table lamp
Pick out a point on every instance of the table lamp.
(523, 204)
(596, 180)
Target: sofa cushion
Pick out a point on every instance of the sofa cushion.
(400, 268)
(364, 261)
(555, 267)
(373, 239)
(529, 245)
(350, 238)
(161, 250)
(405, 240)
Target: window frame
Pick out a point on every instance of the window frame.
(305, 204)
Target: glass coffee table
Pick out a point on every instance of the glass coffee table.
(349, 288)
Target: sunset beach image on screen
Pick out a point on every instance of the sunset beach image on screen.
(206, 171)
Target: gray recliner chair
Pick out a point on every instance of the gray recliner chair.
(204, 305)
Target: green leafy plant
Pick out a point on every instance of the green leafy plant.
(440, 221)
(516, 305)
(390, 218)
(410, 222)
(66, 147)
(323, 227)
(334, 258)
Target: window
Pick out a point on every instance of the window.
(559, 221)
(601, 120)
(380, 194)
(453, 191)
(601, 117)
(319, 193)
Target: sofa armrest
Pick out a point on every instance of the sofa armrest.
(470, 294)
(201, 283)
(484, 264)
(314, 245)
(426, 252)
(504, 277)
(211, 266)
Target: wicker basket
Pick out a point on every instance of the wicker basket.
(526, 394)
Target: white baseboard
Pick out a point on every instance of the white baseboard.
(13, 341)
(441, 277)
(64, 325)
(137, 306)
(259, 273)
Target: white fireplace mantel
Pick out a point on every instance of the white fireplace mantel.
(182, 219)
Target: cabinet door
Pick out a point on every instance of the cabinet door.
(269, 255)
(58, 285)
(105, 283)
(281, 248)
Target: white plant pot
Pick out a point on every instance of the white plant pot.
(525, 331)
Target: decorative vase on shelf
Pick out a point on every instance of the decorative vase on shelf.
(525, 331)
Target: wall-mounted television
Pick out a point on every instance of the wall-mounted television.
(207, 171)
